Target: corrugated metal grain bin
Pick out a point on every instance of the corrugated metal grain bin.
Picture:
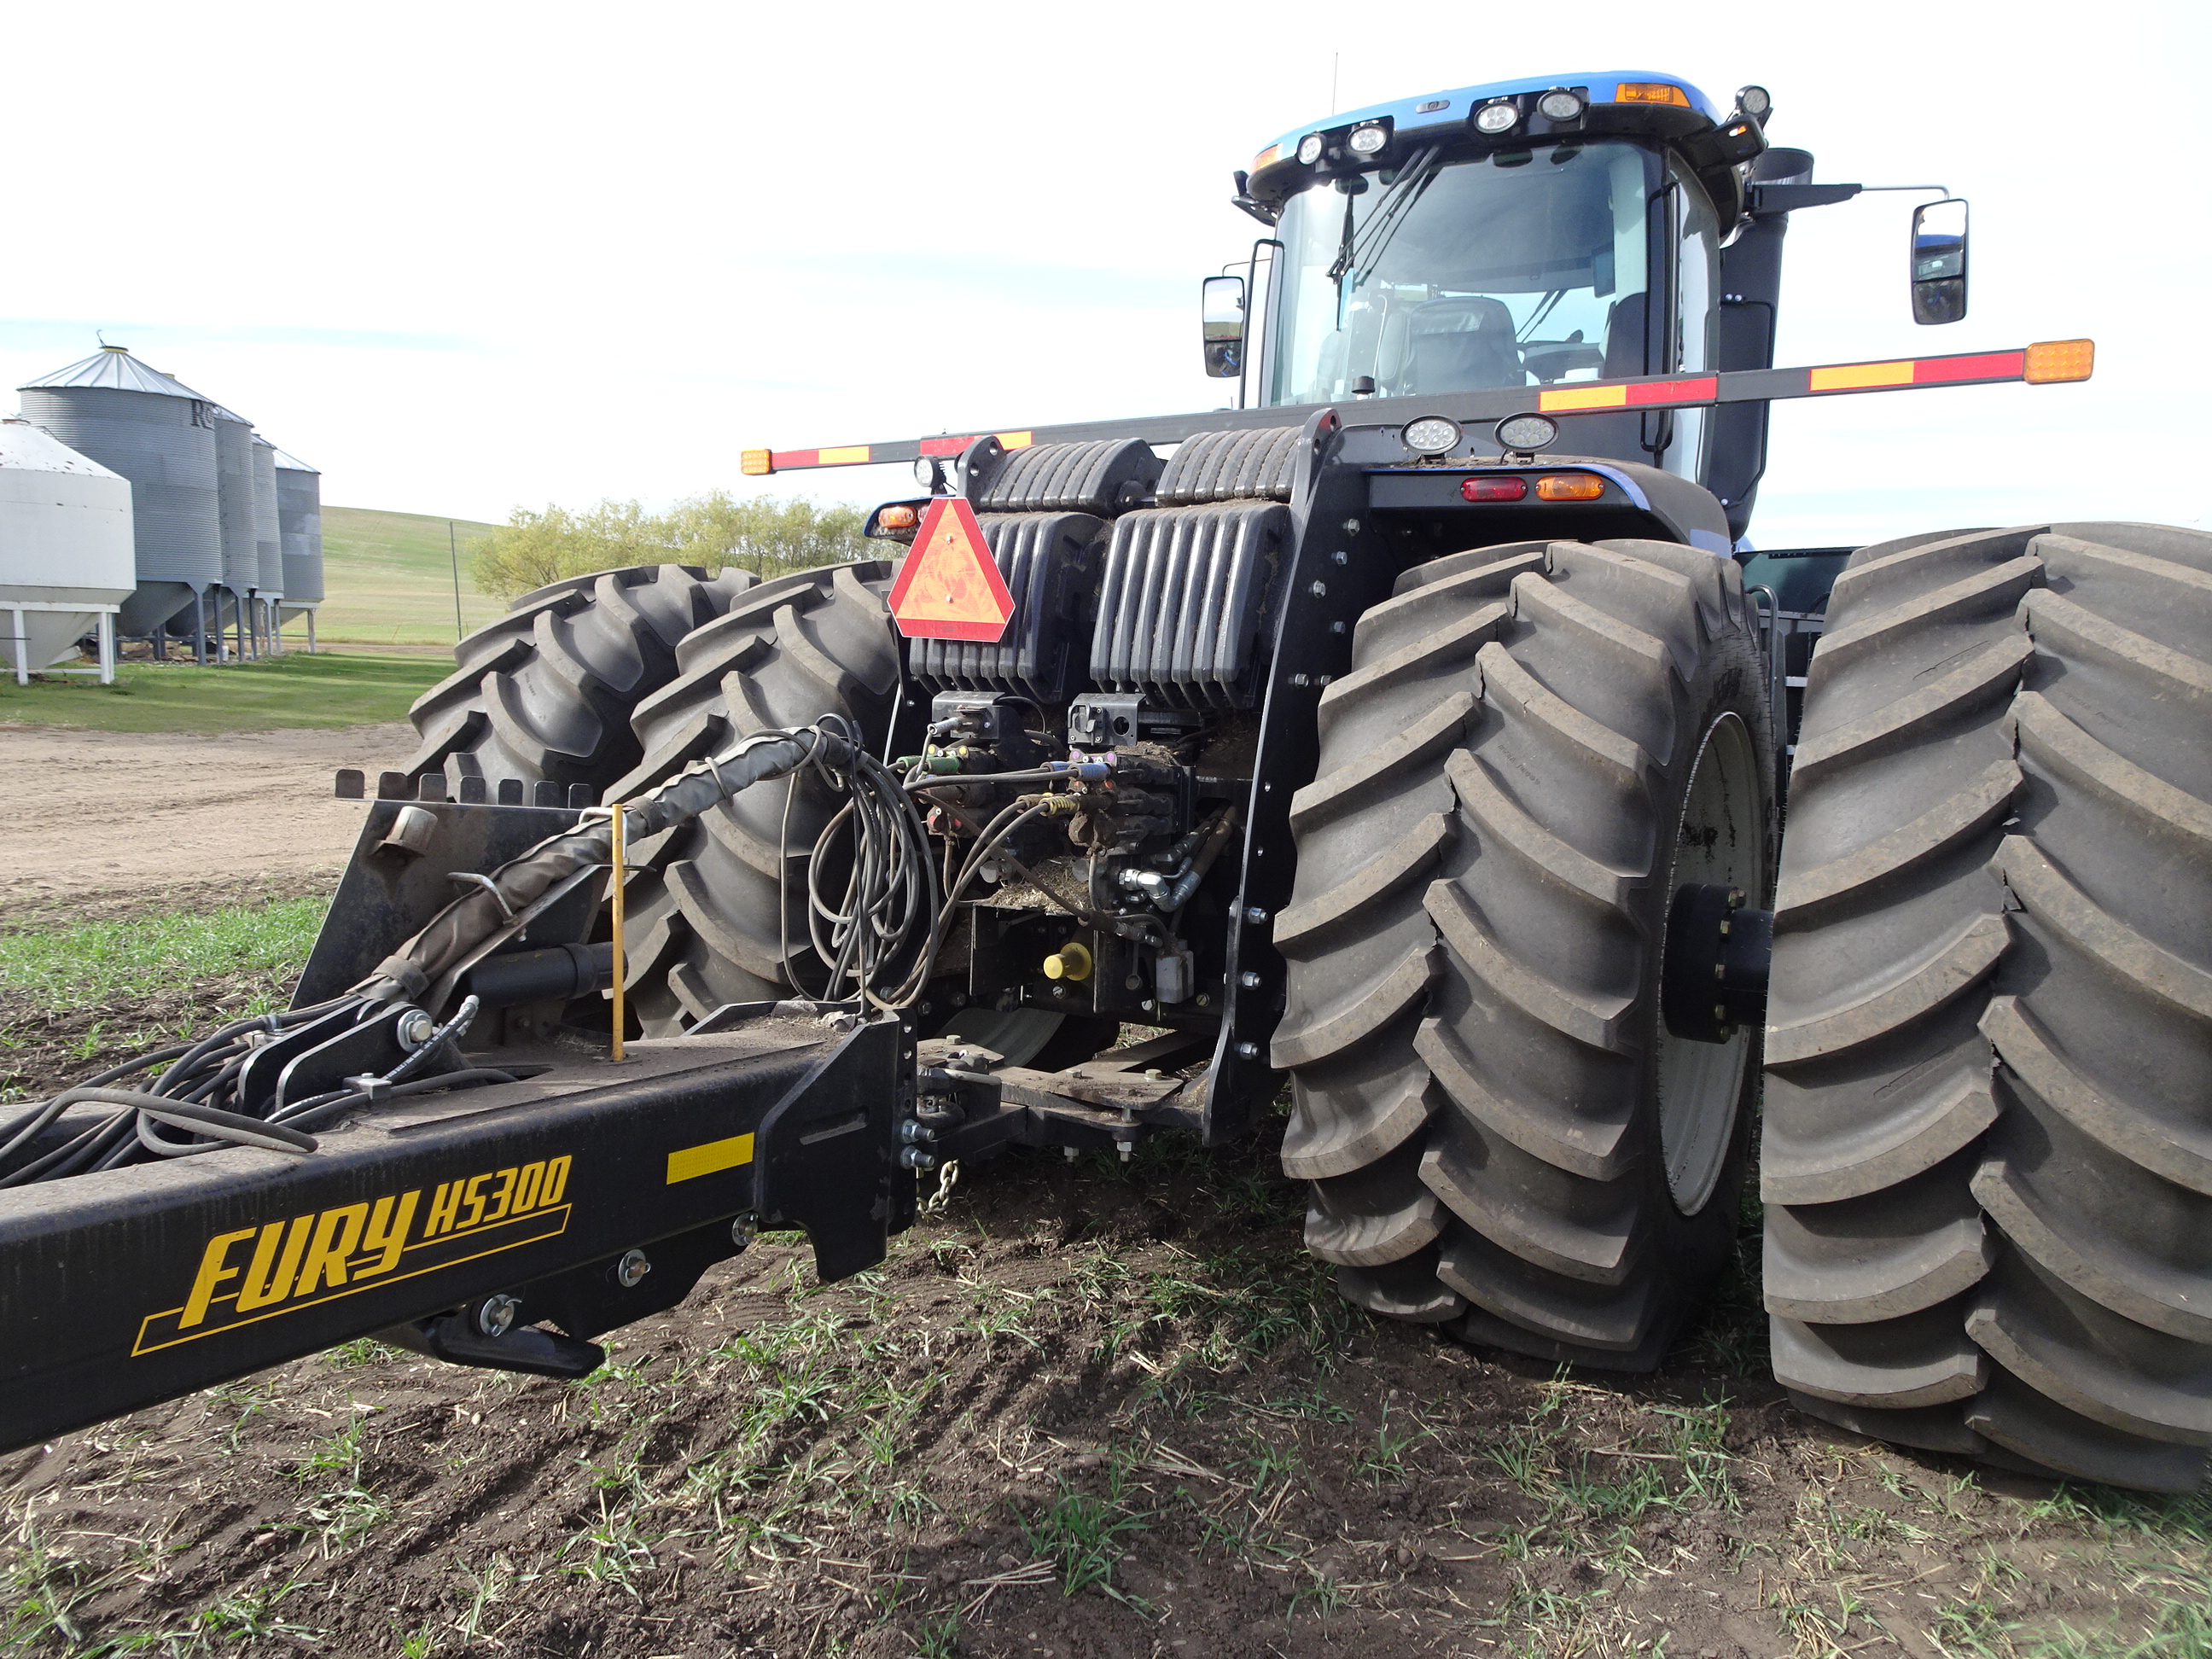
(268, 536)
(66, 542)
(160, 434)
(234, 462)
(300, 518)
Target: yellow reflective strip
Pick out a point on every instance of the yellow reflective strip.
(1014, 439)
(1583, 397)
(710, 1159)
(1850, 377)
(851, 455)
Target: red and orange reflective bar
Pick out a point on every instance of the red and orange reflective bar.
(2046, 363)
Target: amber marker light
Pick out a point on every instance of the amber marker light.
(756, 463)
(1570, 487)
(897, 518)
(2049, 361)
(1651, 92)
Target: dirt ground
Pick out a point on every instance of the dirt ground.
(1085, 1410)
(94, 818)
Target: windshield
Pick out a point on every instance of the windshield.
(1506, 271)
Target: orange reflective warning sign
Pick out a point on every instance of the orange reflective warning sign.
(949, 587)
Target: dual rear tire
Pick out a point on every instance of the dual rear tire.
(1987, 1158)
(1536, 746)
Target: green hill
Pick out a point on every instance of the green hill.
(388, 579)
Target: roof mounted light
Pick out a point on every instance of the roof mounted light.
(1495, 120)
(1756, 102)
(1560, 105)
(1524, 435)
(1369, 139)
(1431, 435)
(1309, 148)
(1651, 92)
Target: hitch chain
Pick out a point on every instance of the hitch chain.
(948, 1176)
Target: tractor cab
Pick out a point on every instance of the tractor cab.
(1523, 234)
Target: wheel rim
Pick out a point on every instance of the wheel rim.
(1720, 840)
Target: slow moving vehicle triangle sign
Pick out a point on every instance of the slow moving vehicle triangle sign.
(949, 587)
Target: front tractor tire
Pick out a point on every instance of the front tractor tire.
(1987, 1155)
(1536, 746)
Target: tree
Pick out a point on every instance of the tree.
(766, 537)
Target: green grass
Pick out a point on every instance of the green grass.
(388, 579)
(330, 689)
(98, 961)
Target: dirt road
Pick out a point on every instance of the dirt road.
(102, 813)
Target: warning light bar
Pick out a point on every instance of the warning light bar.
(2046, 363)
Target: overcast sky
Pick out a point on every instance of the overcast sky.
(463, 256)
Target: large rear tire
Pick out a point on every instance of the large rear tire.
(1536, 744)
(546, 692)
(1988, 1157)
(704, 926)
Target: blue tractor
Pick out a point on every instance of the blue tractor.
(1409, 737)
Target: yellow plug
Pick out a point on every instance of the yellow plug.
(1072, 961)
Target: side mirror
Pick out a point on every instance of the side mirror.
(1221, 311)
(1939, 261)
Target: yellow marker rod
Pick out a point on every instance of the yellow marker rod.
(617, 876)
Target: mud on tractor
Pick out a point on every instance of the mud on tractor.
(1415, 733)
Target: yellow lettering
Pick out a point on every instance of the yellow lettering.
(506, 1179)
(527, 1183)
(261, 1288)
(212, 1273)
(443, 1207)
(475, 1202)
(392, 1240)
(556, 1181)
(337, 1236)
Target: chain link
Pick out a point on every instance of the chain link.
(948, 1177)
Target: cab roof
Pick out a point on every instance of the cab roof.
(1435, 108)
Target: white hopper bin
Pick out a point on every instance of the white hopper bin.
(67, 555)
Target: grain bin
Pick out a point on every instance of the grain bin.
(66, 558)
(233, 474)
(300, 519)
(268, 536)
(159, 434)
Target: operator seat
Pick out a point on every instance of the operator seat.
(1623, 338)
(1461, 345)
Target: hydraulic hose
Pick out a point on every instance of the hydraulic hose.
(474, 917)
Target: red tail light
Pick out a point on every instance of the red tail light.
(1493, 490)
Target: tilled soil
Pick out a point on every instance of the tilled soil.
(44, 1048)
(1082, 1410)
